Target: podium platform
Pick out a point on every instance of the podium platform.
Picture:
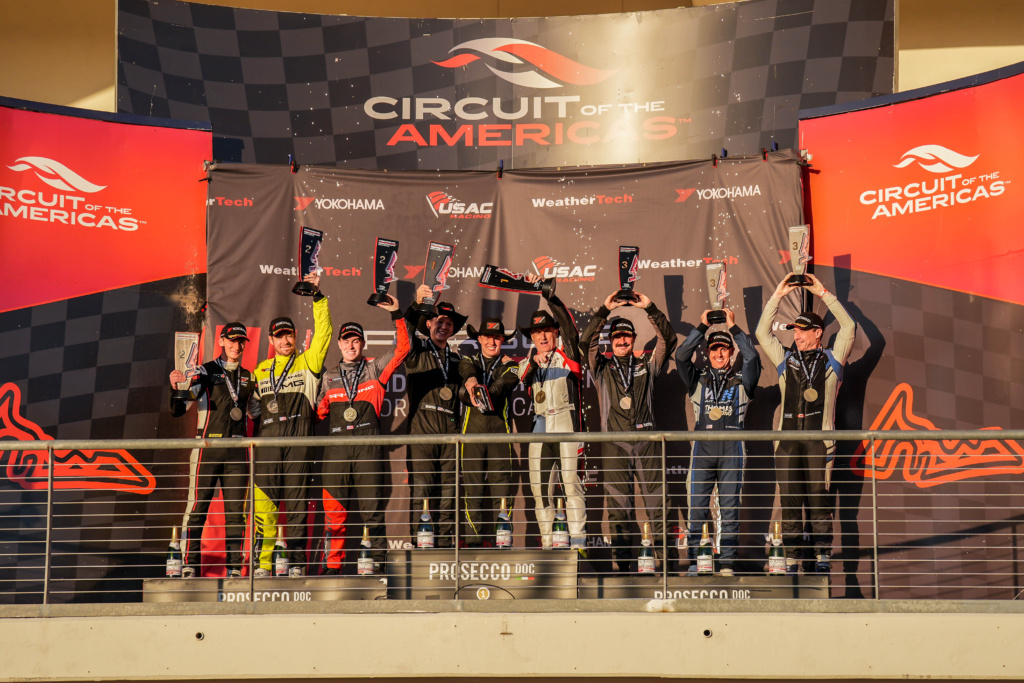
(306, 589)
(808, 587)
(482, 574)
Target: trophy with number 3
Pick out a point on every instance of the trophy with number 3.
(629, 258)
(716, 293)
(799, 254)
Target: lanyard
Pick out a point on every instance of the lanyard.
(542, 371)
(227, 381)
(275, 385)
(626, 382)
(352, 390)
(809, 373)
(488, 370)
(443, 364)
(717, 387)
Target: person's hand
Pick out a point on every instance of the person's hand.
(533, 278)
(470, 383)
(422, 292)
(505, 358)
(179, 376)
(784, 288)
(313, 279)
(642, 301)
(611, 304)
(815, 288)
(730, 317)
(542, 357)
(391, 305)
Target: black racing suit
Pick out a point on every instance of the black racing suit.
(282, 474)
(228, 467)
(804, 467)
(618, 378)
(357, 472)
(717, 462)
(432, 467)
(492, 461)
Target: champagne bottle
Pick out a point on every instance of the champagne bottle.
(560, 529)
(364, 565)
(280, 557)
(645, 563)
(777, 553)
(504, 535)
(425, 534)
(705, 554)
(174, 555)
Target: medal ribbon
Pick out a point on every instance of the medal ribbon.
(227, 381)
(442, 364)
(809, 373)
(275, 385)
(627, 384)
(488, 370)
(351, 391)
(717, 389)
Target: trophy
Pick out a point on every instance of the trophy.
(716, 293)
(435, 274)
(799, 254)
(186, 361)
(629, 258)
(384, 260)
(483, 398)
(494, 277)
(309, 259)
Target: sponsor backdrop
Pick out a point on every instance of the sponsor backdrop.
(917, 222)
(532, 92)
(104, 256)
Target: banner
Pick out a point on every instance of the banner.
(914, 226)
(367, 92)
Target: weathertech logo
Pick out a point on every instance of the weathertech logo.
(110, 470)
(446, 206)
(339, 204)
(928, 462)
(935, 158)
(56, 174)
(524, 63)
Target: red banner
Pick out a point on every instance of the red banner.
(89, 205)
(927, 190)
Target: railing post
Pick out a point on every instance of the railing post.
(252, 518)
(874, 518)
(458, 510)
(49, 524)
(664, 519)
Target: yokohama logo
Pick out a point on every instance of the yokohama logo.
(55, 174)
(532, 66)
(339, 204)
(935, 158)
(111, 470)
(928, 462)
(733, 192)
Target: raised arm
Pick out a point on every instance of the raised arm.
(684, 356)
(567, 328)
(750, 368)
(666, 343)
(847, 327)
(774, 349)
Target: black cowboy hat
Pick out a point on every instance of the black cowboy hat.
(491, 326)
(539, 320)
(447, 310)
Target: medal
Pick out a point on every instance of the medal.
(626, 380)
(542, 373)
(275, 385)
(625, 402)
(540, 396)
(811, 394)
(445, 394)
(715, 413)
(236, 413)
(717, 392)
(350, 414)
(442, 364)
(272, 406)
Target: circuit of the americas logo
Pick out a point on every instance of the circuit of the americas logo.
(445, 205)
(523, 63)
(114, 470)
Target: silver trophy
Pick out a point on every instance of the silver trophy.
(186, 361)
(799, 254)
(716, 293)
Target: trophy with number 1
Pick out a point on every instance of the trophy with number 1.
(435, 274)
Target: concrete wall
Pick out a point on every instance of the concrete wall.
(64, 51)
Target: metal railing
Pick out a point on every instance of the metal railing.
(915, 525)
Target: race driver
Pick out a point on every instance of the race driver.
(492, 461)
(432, 369)
(554, 372)
(222, 389)
(351, 398)
(625, 390)
(285, 399)
(809, 379)
(719, 395)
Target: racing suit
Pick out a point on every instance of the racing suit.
(361, 468)
(282, 473)
(491, 461)
(432, 467)
(717, 462)
(617, 379)
(804, 467)
(560, 411)
(208, 468)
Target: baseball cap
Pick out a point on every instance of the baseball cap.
(281, 325)
(621, 326)
(719, 339)
(234, 331)
(808, 320)
(351, 330)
